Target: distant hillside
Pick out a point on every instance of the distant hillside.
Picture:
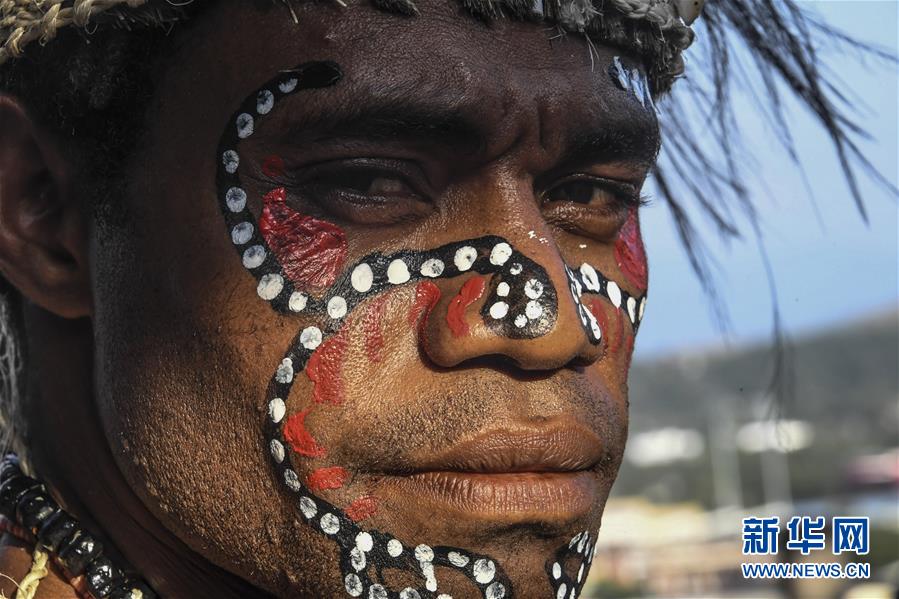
(846, 386)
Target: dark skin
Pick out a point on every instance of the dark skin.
(152, 338)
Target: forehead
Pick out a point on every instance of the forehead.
(443, 53)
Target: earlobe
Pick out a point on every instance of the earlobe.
(43, 231)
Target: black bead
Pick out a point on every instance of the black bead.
(34, 508)
(55, 529)
(132, 589)
(12, 490)
(76, 553)
(102, 577)
(9, 467)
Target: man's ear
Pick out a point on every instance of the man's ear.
(43, 232)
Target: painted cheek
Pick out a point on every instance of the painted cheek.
(300, 439)
(630, 253)
(311, 252)
(327, 478)
(362, 508)
(471, 292)
(372, 329)
(324, 369)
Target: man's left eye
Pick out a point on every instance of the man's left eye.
(598, 192)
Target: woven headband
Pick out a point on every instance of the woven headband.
(659, 30)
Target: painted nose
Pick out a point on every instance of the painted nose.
(519, 307)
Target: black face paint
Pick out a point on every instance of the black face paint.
(523, 304)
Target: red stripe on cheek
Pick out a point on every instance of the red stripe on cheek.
(311, 252)
(324, 369)
(273, 166)
(300, 439)
(327, 478)
(372, 329)
(362, 508)
(630, 253)
(596, 307)
(471, 292)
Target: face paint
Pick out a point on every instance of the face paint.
(311, 252)
(298, 263)
(372, 330)
(577, 555)
(630, 253)
(324, 369)
(471, 292)
(273, 167)
(327, 478)
(633, 81)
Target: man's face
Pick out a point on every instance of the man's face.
(412, 372)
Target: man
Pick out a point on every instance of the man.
(410, 379)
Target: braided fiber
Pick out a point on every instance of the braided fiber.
(663, 37)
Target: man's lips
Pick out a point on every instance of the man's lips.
(524, 474)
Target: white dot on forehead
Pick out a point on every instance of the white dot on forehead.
(265, 101)
(254, 256)
(297, 301)
(329, 523)
(394, 548)
(311, 338)
(503, 289)
(288, 85)
(337, 307)
(500, 254)
(614, 293)
(292, 480)
(465, 257)
(484, 570)
(398, 272)
(277, 449)
(230, 160)
(270, 286)
(276, 410)
(307, 507)
(432, 268)
(242, 233)
(245, 125)
(362, 278)
(236, 199)
(499, 310)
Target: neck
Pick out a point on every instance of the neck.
(69, 451)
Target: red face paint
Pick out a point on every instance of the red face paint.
(312, 252)
(273, 166)
(613, 344)
(471, 292)
(300, 439)
(628, 354)
(362, 508)
(372, 330)
(630, 253)
(324, 369)
(427, 294)
(327, 478)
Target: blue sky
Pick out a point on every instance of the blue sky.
(830, 267)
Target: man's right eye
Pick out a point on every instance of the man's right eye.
(365, 192)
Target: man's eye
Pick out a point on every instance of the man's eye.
(368, 184)
(601, 193)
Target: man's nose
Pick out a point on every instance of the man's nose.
(519, 301)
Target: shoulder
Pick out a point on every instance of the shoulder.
(16, 562)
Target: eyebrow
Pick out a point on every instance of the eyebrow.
(435, 121)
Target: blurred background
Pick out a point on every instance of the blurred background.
(709, 445)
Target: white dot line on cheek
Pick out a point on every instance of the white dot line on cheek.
(337, 307)
(432, 268)
(311, 338)
(465, 257)
(245, 125)
(270, 286)
(242, 233)
(614, 293)
(236, 199)
(231, 160)
(253, 257)
(297, 301)
(277, 449)
(265, 102)
(362, 278)
(277, 410)
(500, 254)
(398, 272)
